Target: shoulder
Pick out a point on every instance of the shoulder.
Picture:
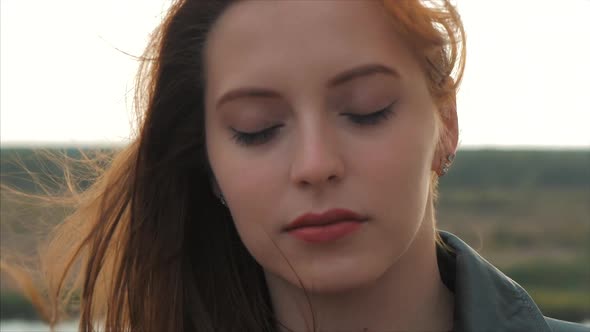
(485, 297)
(557, 325)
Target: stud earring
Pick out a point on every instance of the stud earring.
(222, 200)
(447, 164)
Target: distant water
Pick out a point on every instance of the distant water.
(28, 326)
(32, 326)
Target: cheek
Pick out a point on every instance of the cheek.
(254, 194)
(247, 184)
(251, 186)
(398, 168)
(239, 171)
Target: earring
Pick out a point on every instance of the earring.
(447, 164)
(222, 199)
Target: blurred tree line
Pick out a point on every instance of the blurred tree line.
(472, 169)
(519, 169)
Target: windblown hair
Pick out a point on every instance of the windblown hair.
(148, 246)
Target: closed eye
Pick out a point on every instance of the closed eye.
(255, 138)
(371, 118)
(265, 135)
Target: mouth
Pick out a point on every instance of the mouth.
(326, 218)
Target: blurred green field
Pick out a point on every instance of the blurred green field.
(527, 212)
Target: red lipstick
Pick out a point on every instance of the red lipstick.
(328, 226)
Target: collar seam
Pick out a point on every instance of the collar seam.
(531, 311)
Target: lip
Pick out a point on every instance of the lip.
(321, 219)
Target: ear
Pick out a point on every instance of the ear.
(449, 133)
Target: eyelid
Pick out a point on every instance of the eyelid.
(256, 132)
(382, 110)
(373, 118)
(254, 138)
(372, 113)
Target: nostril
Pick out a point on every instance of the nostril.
(316, 167)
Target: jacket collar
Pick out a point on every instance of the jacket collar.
(485, 298)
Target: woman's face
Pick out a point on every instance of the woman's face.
(293, 88)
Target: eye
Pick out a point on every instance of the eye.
(255, 138)
(371, 118)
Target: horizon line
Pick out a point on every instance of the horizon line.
(121, 144)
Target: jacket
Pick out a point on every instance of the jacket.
(488, 300)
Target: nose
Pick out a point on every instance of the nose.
(317, 159)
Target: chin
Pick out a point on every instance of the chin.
(332, 281)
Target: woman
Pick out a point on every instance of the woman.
(284, 179)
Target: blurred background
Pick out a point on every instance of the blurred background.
(519, 191)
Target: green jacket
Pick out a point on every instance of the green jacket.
(488, 300)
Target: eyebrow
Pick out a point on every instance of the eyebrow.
(364, 70)
(346, 76)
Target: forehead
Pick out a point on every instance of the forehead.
(302, 40)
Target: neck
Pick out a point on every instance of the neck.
(410, 296)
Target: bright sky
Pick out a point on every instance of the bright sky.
(527, 82)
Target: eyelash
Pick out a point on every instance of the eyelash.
(256, 138)
(261, 137)
(372, 118)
